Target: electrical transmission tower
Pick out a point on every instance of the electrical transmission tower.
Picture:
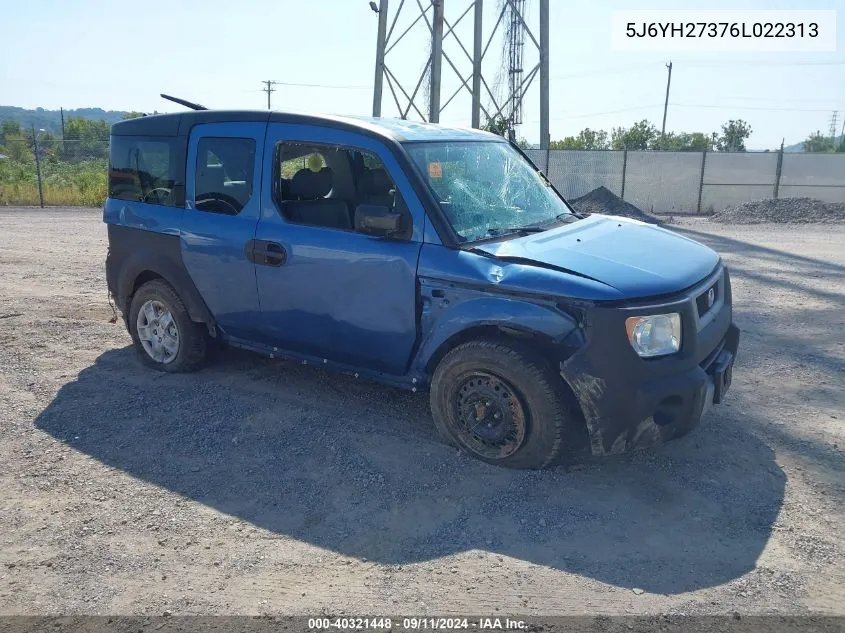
(833, 118)
(465, 61)
(515, 9)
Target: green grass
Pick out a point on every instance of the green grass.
(64, 183)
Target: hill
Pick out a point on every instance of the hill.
(51, 120)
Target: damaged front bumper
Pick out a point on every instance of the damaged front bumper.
(630, 402)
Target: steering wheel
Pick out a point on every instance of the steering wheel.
(234, 207)
(157, 191)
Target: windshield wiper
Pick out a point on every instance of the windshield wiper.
(516, 229)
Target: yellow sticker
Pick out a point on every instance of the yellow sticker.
(435, 170)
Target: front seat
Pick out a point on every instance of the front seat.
(310, 206)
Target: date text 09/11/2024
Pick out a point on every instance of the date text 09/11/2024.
(416, 624)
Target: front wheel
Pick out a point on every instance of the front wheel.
(502, 403)
(162, 330)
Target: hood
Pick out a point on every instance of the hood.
(638, 259)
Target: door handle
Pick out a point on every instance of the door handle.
(265, 253)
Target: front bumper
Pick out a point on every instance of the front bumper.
(629, 402)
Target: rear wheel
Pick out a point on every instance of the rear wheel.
(162, 330)
(502, 403)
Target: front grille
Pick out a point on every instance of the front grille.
(707, 299)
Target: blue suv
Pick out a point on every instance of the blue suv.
(422, 257)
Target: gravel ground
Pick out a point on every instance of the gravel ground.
(782, 211)
(603, 200)
(258, 486)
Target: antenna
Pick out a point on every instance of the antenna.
(187, 104)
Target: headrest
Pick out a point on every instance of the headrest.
(376, 181)
(310, 185)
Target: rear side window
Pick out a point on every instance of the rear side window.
(225, 174)
(148, 169)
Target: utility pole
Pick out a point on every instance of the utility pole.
(665, 107)
(37, 165)
(268, 90)
(378, 82)
(62, 112)
(436, 59)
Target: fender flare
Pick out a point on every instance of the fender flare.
(174, 273)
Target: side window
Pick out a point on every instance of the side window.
(225, 174)
(148, 169)
(323, 185)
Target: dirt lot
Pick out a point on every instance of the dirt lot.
(258, 486)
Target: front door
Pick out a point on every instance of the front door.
(326, 289)
(223, 207)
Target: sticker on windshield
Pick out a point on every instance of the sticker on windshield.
(435, 170)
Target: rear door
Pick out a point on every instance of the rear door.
(327, 290)
(222, 210)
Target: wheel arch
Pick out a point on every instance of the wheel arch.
(137, 271)
(541, 327)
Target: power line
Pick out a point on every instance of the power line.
(331, 86)
(589, 114)
(739, 107)
(770, 100)
(711, 63)
(606, 71)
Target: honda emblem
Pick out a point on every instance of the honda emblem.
(711, 297)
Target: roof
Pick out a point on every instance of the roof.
(180, 123)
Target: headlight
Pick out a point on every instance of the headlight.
(655, 334)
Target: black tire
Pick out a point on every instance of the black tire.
(193, 337)
(524, 382)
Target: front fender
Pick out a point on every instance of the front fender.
(449, 313)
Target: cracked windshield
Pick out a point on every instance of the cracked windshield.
(487, 188)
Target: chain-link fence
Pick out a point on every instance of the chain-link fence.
(694, 182)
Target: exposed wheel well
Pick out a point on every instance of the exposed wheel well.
(142, 278)
(544, 346)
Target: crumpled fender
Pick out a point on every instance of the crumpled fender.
(453, 311)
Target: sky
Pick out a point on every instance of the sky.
(119, 56)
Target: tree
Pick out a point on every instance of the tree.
(132, 115)
(498, 125)
(734, 134)
(687, 142)
(641, 135)
(818, 142)
(586, 139)
(85, 139)
(9, 128)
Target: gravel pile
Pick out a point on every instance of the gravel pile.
(604, 201)
(782, 211)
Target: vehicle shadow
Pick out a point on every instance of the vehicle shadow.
(356, 468)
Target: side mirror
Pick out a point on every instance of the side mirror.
(378, 220)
